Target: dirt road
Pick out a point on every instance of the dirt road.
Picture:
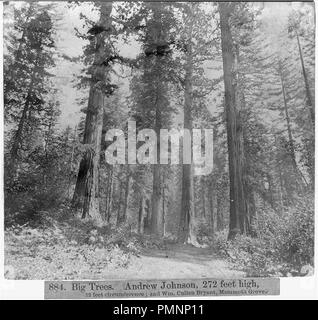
(178, 261)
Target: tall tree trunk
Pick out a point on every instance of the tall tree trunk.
(234, 127)
(86, 194)
(250, 210)
(301, 180)
(245, 192)
(163, 212)
(289, 132)
(280, 178)
(127, 183)
(156, 212)
(203, 191)
(219, 214)
(17, 140)
(309, 99)
(109, 199)
(156, 223)
(71, 161)
(147, 217)
(141, 214)
(211, 207)
(186, 225)
(118, 219)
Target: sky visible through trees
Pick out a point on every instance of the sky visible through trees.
(273, 15)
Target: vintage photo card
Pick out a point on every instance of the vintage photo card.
(158, 149)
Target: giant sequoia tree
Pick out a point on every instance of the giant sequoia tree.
(86, 194)
(195, 47)
(238, 218)
(151, 107)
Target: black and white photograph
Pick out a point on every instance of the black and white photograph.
(166, 141)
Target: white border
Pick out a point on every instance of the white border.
(291, 288)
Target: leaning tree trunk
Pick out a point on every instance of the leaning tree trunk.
(86, 194)
(18, 136)
(234, 127)
(17, 139)
(301, 181)
(309, 99)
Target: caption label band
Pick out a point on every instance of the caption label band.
(160, 288)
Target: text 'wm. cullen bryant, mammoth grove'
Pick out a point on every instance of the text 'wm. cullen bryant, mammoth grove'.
(195, 149)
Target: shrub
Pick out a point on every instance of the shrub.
(284, 244)
(54, 252)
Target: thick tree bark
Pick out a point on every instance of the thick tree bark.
(203, 191)
(86, 194)
(156, 212)
(238, 217)
(219, 214)
(186, 225)
(147, 217)
(119, 206)
(156, 215)
(250, 210)
(71, 161)
(211, 207)
(123, 217)
(109, 198)
(156, 223)
(247, 193)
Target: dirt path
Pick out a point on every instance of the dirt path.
(178, 261)
(48, 255)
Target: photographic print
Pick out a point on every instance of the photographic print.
(163, 141)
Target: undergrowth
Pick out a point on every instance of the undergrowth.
(284, 245)
(57, 245)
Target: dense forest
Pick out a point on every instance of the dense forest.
(243, 70)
